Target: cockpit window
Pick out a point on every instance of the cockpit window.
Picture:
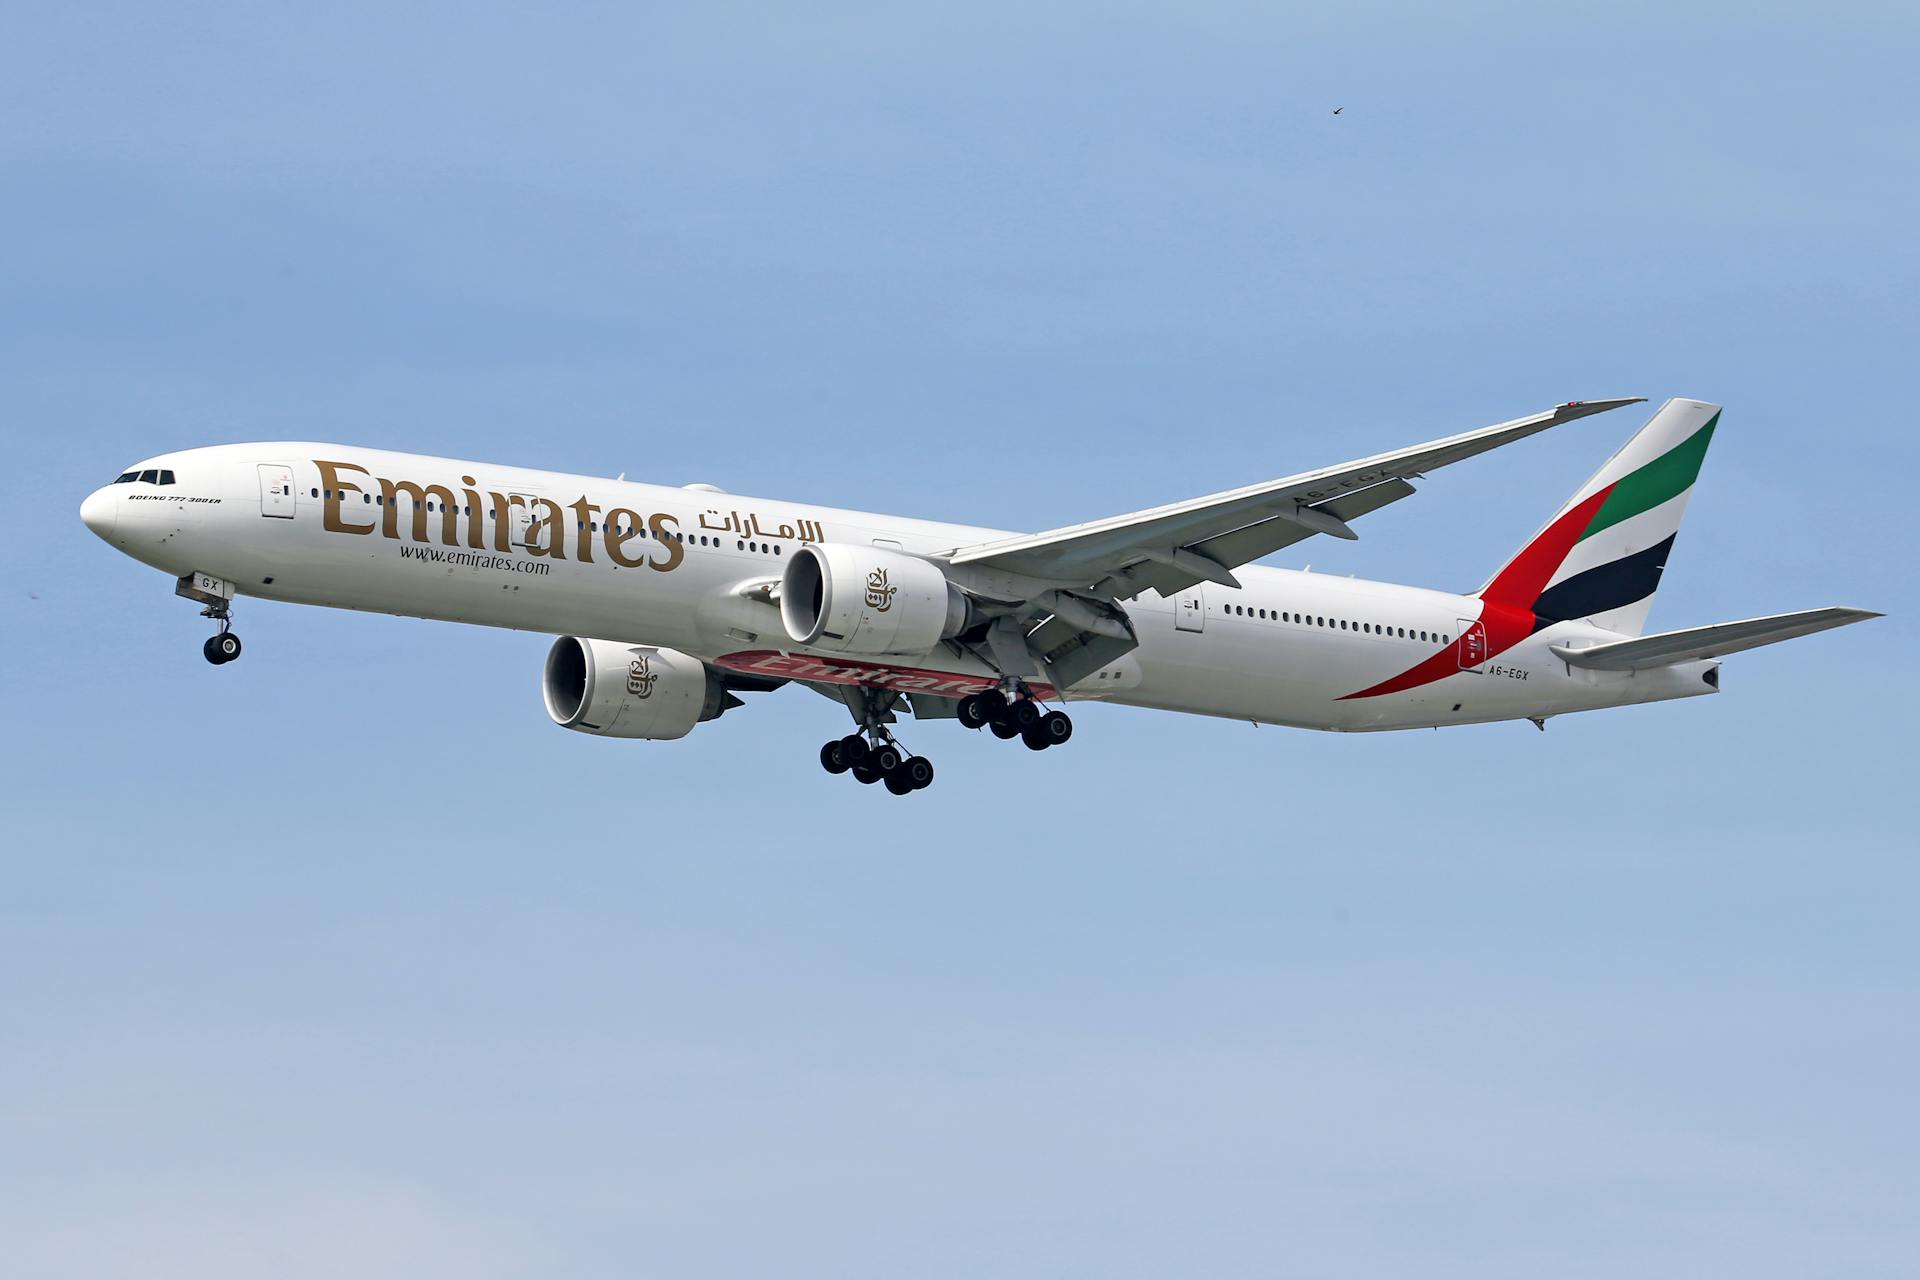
(150, 477)
(166, 477)
(127, 477)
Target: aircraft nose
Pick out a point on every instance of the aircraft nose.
(98, 512)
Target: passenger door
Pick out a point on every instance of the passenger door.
(520, 519)
(276, 491)
(1473, 645)
(1190, 609)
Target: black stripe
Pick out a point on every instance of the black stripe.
(1604, 587)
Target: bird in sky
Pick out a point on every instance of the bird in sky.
(1338, 110)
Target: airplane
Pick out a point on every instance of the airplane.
(669, 603)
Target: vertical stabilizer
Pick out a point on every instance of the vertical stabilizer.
(1600, 558)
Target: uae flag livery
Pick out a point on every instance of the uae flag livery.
(1600, 558)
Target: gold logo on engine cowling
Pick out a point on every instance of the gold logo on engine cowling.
(879, 594)
(640, 677)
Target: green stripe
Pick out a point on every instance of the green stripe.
(1665, 478)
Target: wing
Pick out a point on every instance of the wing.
(1170, 548)
(1714, 641)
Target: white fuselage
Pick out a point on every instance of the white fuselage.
(676, 568)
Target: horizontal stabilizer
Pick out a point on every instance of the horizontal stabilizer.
(1715, 641)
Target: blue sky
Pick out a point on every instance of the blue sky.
(343, 960)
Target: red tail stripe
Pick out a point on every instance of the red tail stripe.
(1519, 584)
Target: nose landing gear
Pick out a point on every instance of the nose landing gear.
(217, 595)
(223, 648)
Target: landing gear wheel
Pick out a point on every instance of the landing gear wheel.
(885, 758)
(221, 649)
(833, 757)
(899, 783)
(1024, 714)
(1055, 727)
(972, 712)
(1002, 730)
(991, 703)
(918, 770)
(854, 750)
(866, 775)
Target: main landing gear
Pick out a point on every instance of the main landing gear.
(1020, 716)
(876, 757)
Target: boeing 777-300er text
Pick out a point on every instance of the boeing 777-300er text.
(670, 602)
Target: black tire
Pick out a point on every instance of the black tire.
(1056, 727)
(1002, 730)
(885, 758)
(919, 771)
(899, 783)
(211, 650)
(991, 703)
(1025, 713)
(832, 758)
(971, 713)
(1035, 736)
(221, 649)
(854, 750)
(865, 775)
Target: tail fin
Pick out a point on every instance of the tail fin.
(1601, 555)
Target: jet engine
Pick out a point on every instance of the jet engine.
(629, 690)
(855, 599)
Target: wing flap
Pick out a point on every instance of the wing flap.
(1713, 641)
(1268, 536)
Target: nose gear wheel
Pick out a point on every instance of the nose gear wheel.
(224, 646)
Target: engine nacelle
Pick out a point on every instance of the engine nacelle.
(628, 690)
(855, 599)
